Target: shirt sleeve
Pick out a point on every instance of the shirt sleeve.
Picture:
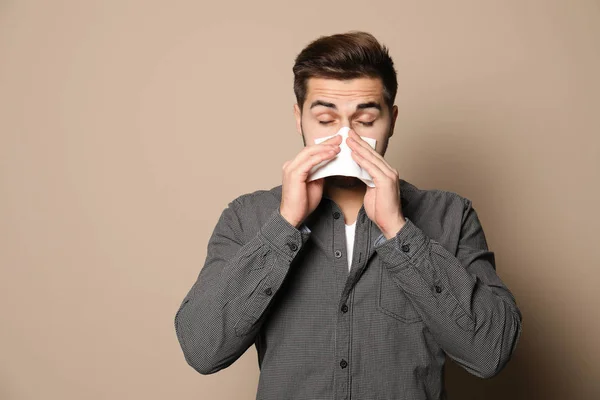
(468, 309)
(220, 315)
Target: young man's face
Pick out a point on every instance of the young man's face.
(357, 103)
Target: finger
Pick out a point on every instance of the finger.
(304, 168)
(334, 139)
(356, 139)
(310, 151)
(368, 153)
(311, 157)
(333, 143)
(373, 169)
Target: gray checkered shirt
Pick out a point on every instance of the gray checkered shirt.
(380, 331)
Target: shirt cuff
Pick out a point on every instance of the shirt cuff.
(284, 237)
(400, 249)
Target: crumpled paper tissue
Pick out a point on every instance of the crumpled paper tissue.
(342, 164)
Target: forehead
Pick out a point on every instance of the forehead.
(356, 90)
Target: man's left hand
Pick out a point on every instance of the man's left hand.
(382, 202)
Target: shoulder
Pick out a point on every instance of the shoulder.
(252, 209)
(438, 212)
(256, 200)
(438, 199)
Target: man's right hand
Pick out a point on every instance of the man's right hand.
(299, 198)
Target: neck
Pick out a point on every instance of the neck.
(349, 199)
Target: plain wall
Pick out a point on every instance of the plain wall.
(127, 126)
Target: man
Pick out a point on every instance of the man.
(419, 285)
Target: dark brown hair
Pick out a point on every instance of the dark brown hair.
(345, 56)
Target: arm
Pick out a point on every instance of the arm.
(470, 312)
(219, 317)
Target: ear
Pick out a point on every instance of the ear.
(298, 117)
(394, 116)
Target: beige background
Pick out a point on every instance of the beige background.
(127, 126)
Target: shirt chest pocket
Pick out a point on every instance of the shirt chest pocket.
(392, 301)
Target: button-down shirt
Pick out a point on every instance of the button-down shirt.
(380, 331)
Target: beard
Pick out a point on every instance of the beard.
(343, 182)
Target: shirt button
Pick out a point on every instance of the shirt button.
(268, 291)
(344, 308)
(343, 363)
(293, 246)
(338, 254)
(405, 248)
(336, 215)
(438, 289)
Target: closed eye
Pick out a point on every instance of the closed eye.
(364, 123)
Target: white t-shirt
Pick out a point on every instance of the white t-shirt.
(350, 230)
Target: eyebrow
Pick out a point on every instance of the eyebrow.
(361, 106)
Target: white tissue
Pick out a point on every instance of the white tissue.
(343, 163)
